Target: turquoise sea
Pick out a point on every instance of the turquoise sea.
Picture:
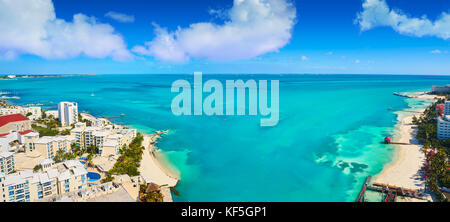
(326, 143)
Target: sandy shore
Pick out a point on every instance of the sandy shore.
(151, 168)
(404, 170)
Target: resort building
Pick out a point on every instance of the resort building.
(14, 122)
(14, 140)
(440, 89)
(108, 140)
(29, 141)
(95, 122)
(52, 113)
(72, 177)
(447, 108)
(110, 148)
(443, 128)
(32, 113)
(29, 186)
(48, 146)
(443, 124)
(7, 164)
(68, 113)
(47, 164)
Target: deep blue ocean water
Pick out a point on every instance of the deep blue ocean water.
(326, 143)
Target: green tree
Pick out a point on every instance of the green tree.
(37, 168)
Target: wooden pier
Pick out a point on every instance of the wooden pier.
(399, 143)
(390, 192)
(393, 191)
(363, 190)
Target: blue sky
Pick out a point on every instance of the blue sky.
(308, 36)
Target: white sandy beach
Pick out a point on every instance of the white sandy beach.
(151, 169)
(404, 171)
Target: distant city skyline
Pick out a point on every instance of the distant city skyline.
(240, 36)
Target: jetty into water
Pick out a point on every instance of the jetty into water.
(111, 117)
(403, 95)
(363, 190)
(389, 192)
(410, 111)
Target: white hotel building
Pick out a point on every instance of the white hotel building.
(7, 164)
(108, 140)
(68, 113)
(32, 113)
(27, 186)
(443, 127)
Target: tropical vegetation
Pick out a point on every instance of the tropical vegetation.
(436, 168)
(146, 195)
(130, 158)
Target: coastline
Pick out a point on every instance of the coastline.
(152, 168)
(404, 169)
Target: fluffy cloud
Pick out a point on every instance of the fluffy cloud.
(31, 27)
(251, 28)
(120, 17)
(377, 13)
(436, 51)
(304, 58)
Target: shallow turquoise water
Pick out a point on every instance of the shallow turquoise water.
(326, 143)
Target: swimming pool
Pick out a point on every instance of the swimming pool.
(93, 176)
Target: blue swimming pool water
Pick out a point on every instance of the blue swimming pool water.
(92, 176)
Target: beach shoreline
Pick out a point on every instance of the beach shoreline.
(152, 168)
(405, 168)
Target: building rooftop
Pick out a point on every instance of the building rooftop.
(79, 171)
(14, 180)
(72, 163)
(47, 161)
(64, 175)
(6, 154)
(100, 133)
(53, 173)
(12, 118)
(110, 143)
(48, 139)
(26, 132)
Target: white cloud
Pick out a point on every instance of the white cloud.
(329, 53)
(31, 27)
(377, 13)
(304, 58)
(252, 28)
(436, 51)
(120, 17)
(357, 61)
